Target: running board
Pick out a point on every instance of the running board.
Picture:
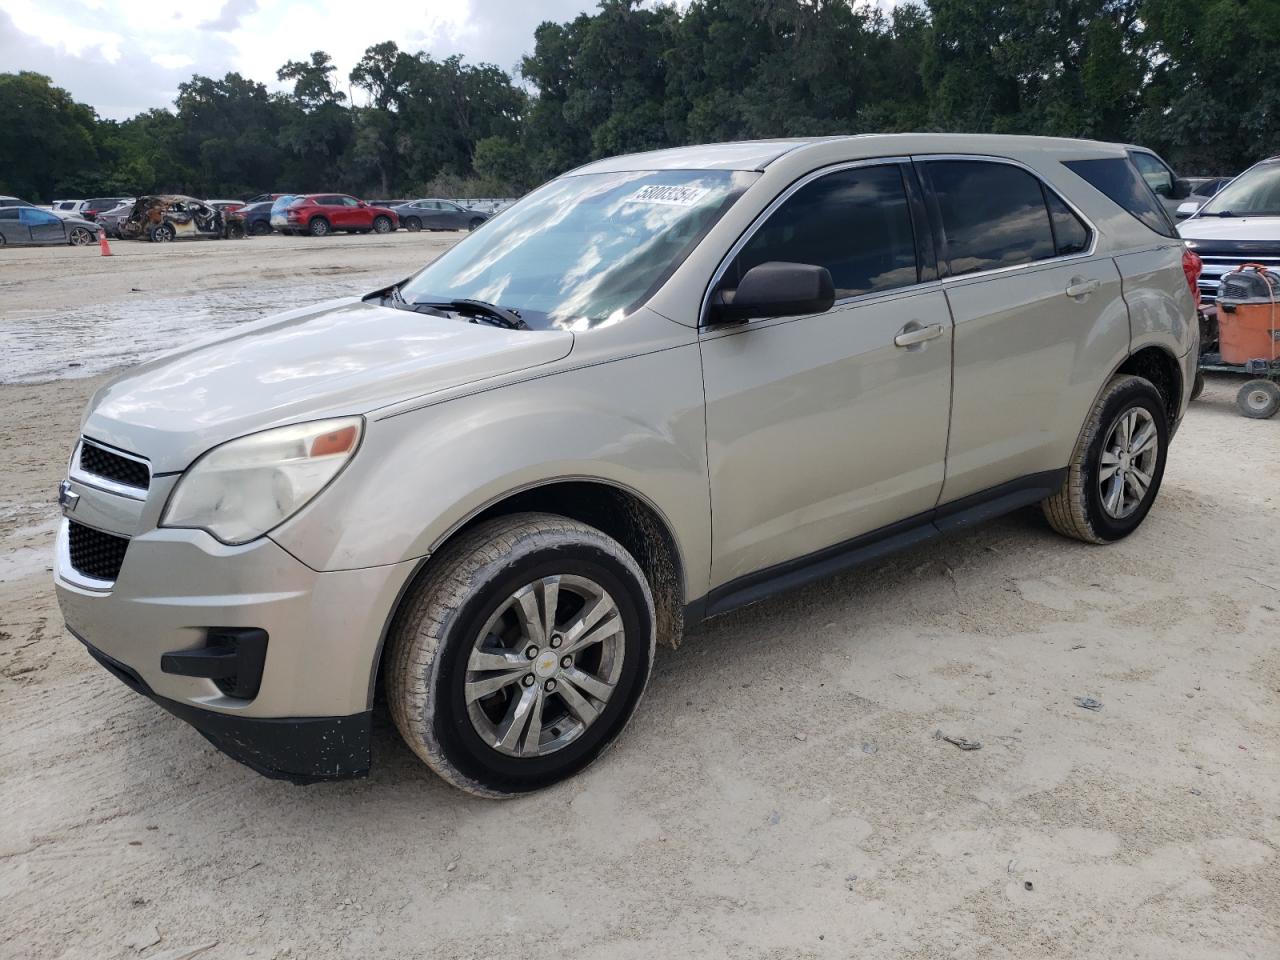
(949, 517)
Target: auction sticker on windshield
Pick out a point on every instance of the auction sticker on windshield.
(674, 195)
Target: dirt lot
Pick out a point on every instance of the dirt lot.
(780, 793)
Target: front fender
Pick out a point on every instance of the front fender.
(635, 422)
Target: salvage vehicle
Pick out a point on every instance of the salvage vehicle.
(31, 226)
(489, 488)
(279, 218)
(162, 219)
(111, 220)
(320, 214)
(250, 220)
(438, 215)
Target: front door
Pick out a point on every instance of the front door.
(823, 428)
(45, 227)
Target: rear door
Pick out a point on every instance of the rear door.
(820, 428)
(12, 228)
(1038, 318)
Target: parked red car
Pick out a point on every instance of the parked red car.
(320, 214)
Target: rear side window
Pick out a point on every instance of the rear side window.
(9, 213)
(1070, 235)
(993, 215)
(1117, 179)
(855, 222)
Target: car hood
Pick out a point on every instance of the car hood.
(332, 359)
(1231, 228)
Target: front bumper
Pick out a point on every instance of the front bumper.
(176, 590)
(297, 749)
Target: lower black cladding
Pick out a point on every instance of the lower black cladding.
(301, 750)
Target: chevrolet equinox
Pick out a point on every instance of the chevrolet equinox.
(657, 388)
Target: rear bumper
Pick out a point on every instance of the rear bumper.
(297, 749)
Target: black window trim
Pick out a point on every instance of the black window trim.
(920, 161)
(927, 265)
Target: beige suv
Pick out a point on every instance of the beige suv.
(658, 388)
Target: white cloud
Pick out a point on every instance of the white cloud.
(78, 41)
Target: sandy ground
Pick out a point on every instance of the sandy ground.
(780, 793)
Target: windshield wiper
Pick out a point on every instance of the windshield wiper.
(481, 309)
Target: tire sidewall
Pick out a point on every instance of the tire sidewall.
(451, 729)
(1133, 394)
(318, 227)
(381, 225)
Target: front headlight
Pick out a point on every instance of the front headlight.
(246, 487)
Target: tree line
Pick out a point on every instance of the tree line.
(1195, 79)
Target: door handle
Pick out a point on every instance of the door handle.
(913, 334)
(1080, 287)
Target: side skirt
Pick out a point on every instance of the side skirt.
(957, 515)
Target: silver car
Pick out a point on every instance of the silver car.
(491, 488)
(31, 226)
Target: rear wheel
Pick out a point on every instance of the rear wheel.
(413, 224)
(382, 225)
(1117, 466)
(319, 227)
(521, 655)
(1259, 399)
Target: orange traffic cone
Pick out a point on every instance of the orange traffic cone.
(102, 242)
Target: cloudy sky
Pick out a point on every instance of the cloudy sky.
(123, 56)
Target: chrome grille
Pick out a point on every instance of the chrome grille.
(95, 554)
(118, 468)
(1215, 265)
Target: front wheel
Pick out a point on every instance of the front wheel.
(80, 237)
(382, 225)
(1258, 399)
(260, 229)
(475, 222)
(1117, 465)
(521, 654)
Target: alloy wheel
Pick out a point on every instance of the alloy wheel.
(1128, 462)
(544, 666)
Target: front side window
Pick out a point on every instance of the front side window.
(583, 249)
(1255, 193)
(993, 215)
(856, 223)
(37, 218)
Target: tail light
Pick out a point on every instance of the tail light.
(1191, 267)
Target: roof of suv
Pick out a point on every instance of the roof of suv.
(759, 154)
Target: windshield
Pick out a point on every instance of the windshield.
(582, 249)
(1255, 193)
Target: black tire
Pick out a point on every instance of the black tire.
(1258, 399)
(319, 227)
(162, 233)
(80, 237)
(260, 228)
(436, 629)
(1197, 386)
(3, 241)
(1077, 509)
(383, 225)
(413, 224)
(475, 222)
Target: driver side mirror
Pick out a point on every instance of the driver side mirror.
(1181, 189)
(775, 289)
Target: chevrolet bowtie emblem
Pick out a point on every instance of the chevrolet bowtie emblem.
(67, 498)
